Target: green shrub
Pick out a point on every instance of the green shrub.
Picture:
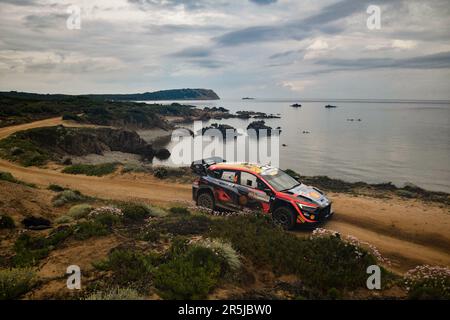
(6, 222)
(116, 294)
(133, 212)
(56, 188)
(225, 251)
(15, 282)
(31, 154)
(63, 220)
(160, 172)
(180, 210)
(428, 283)
(320, 262)
(184, 225)
(91, 169)
(189, 276)
(67, 196)
(88, 229)
(129, 266)
(6, 176)
(157, 212)
(150, 235)
(80, 211)
(30, 249)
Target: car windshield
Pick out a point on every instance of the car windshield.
(279, 180)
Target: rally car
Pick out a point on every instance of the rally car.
(238, 186)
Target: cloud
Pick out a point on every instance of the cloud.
(263, 2)
(193, 52)
(297, 85)
(432, 61)
(19, 2)
(296, 29)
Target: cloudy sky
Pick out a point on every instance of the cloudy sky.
(260, 48)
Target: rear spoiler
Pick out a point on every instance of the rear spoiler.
(199, 167)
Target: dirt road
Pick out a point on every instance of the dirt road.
(409, 232)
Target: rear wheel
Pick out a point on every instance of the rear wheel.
(285, 217)
(206, 200)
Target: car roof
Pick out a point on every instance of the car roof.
(242, 166)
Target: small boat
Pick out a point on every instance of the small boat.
(329, 106)
(296, 105)
(248, 98)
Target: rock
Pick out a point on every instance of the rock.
(284, 145)
(36, 223)
(296, 105)
(162, 154)
(223, 128)
(328, 106)
(67, 161)
(259, 125)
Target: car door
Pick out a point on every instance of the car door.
(225, 190)
(252, 192)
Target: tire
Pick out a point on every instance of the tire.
(206, 200)
(285, 217)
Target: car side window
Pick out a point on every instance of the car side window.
(248, 180)
(230, 176)
(215, 173)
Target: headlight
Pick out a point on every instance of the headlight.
(306, 209)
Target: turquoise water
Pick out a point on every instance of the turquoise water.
(394, 141)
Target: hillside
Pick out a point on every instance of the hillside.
(175, 94)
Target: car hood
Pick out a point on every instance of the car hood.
(312, 194)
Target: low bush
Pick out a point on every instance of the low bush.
(427, 282)
(180, 210)
(160, 172)
(56, 188)
(134, 212)
(116, 294)
(79, 211)
(15, 282)
(191, 275)
(107, 216)
(184, 225)
(150, 235)
(130, 267)
(323, 262)
(6, 222)
(67, 196)
(225, 251)
(88, 229)
(91, 169)
(63, 220)
(31, 155)
(29, 250)
(6, 176)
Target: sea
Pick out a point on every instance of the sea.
(374, 141)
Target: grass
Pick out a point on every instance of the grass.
(91, 169)
(89, 229)
(6, 176)
(15, 282)
(183, 225)
(180, 210)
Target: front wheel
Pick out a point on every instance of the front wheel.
(206, 200)
(285, 217)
